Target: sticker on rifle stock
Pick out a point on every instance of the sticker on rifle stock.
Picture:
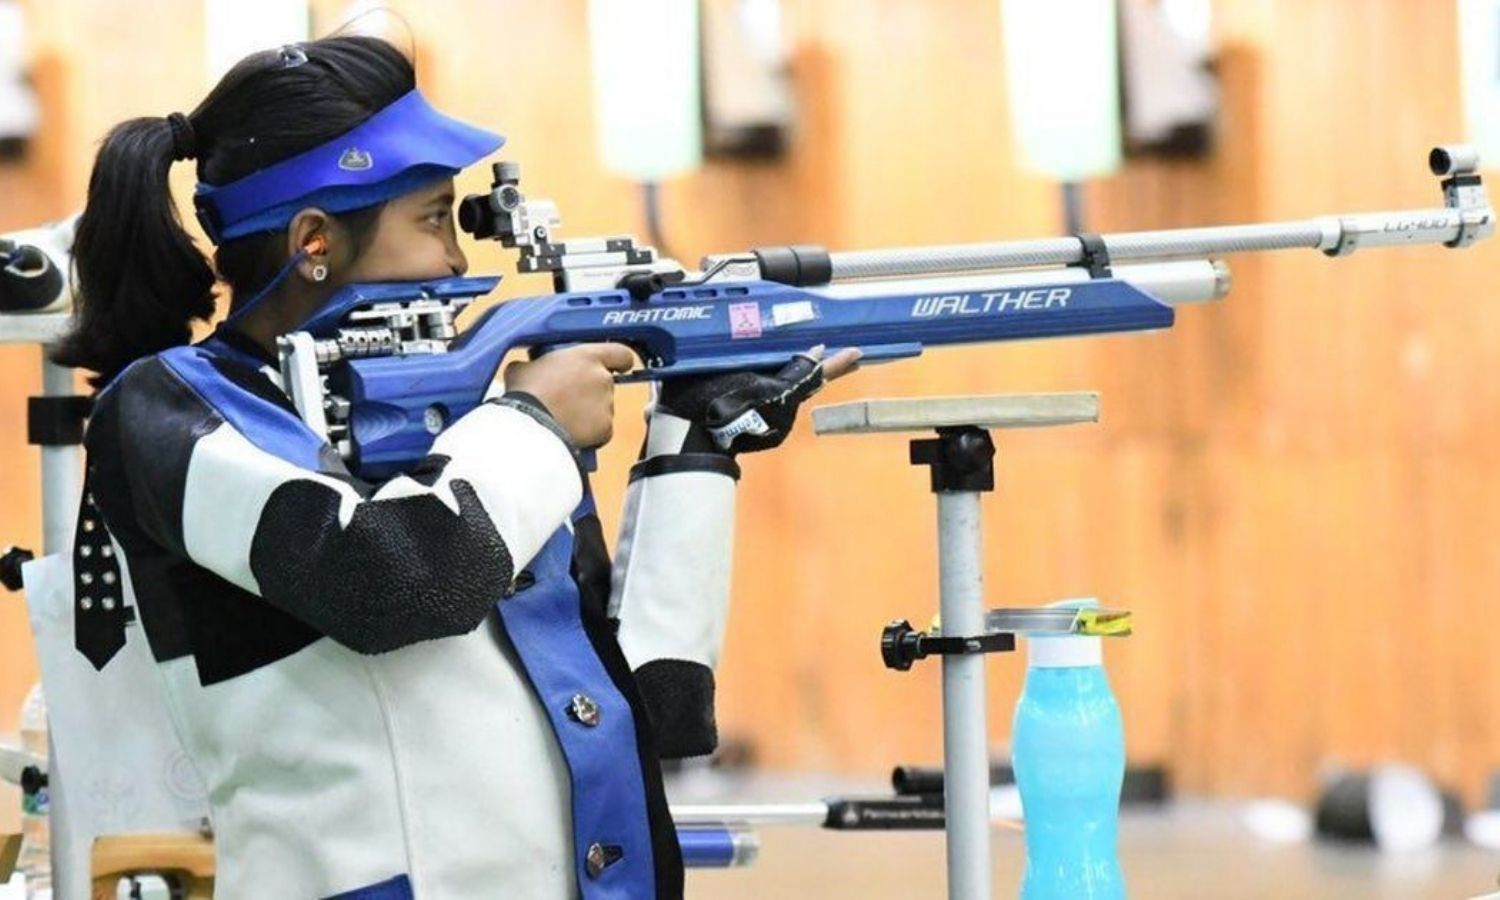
(744, 320)
(783, 314)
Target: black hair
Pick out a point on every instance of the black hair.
(141, 280)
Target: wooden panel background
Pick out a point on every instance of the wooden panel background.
(1296, 490)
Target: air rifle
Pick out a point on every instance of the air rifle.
(382, 368)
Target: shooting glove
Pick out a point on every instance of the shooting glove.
(742, 412)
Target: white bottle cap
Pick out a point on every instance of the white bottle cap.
(1061, 652)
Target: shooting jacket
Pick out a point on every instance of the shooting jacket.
(412, 688)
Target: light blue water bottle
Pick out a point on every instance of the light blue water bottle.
(1069, 758)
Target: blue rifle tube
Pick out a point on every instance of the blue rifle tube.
(717, 845)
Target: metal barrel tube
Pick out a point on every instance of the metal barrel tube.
(901, 262)
(1332, 233)
(1178, 281)
(812, 813)
(1215, 241)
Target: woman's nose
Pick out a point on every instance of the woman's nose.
(457, 261)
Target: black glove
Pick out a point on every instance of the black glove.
(742, 412)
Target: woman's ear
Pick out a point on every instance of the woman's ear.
(311, 233)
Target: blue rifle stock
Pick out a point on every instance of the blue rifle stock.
(397, 403)
(381, 369)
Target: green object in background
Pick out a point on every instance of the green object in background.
(35, 803)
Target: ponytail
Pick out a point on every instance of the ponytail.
(141, 281)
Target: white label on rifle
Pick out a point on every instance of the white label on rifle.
(791, 313)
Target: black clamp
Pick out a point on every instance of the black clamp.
(10, 566)
(962, 459)
(901, 645)
(1095, 257)
(643, 285)
(33, 780)
(56, 421)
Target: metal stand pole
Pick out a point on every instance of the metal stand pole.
(966, 762)
(962, 463)
(62, 467)
(55, 425)
(48, 425)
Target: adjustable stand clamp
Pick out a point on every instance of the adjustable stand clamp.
(901, 645)
(962, 459)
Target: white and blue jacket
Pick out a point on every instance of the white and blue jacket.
(412, 688)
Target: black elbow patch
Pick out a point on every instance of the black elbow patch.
(679, 699)
(402, 571)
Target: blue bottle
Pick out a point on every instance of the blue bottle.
(1069, 759)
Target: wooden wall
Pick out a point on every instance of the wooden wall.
(1296, 489)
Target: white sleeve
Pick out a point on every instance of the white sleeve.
(670, 586)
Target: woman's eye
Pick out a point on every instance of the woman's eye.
(437, 217)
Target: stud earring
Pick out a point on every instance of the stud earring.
(320, 272)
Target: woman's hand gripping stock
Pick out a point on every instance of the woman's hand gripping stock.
(742, 412)
(577, 387)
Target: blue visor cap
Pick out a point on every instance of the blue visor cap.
(404, 146)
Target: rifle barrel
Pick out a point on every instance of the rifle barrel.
(1334, 235)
